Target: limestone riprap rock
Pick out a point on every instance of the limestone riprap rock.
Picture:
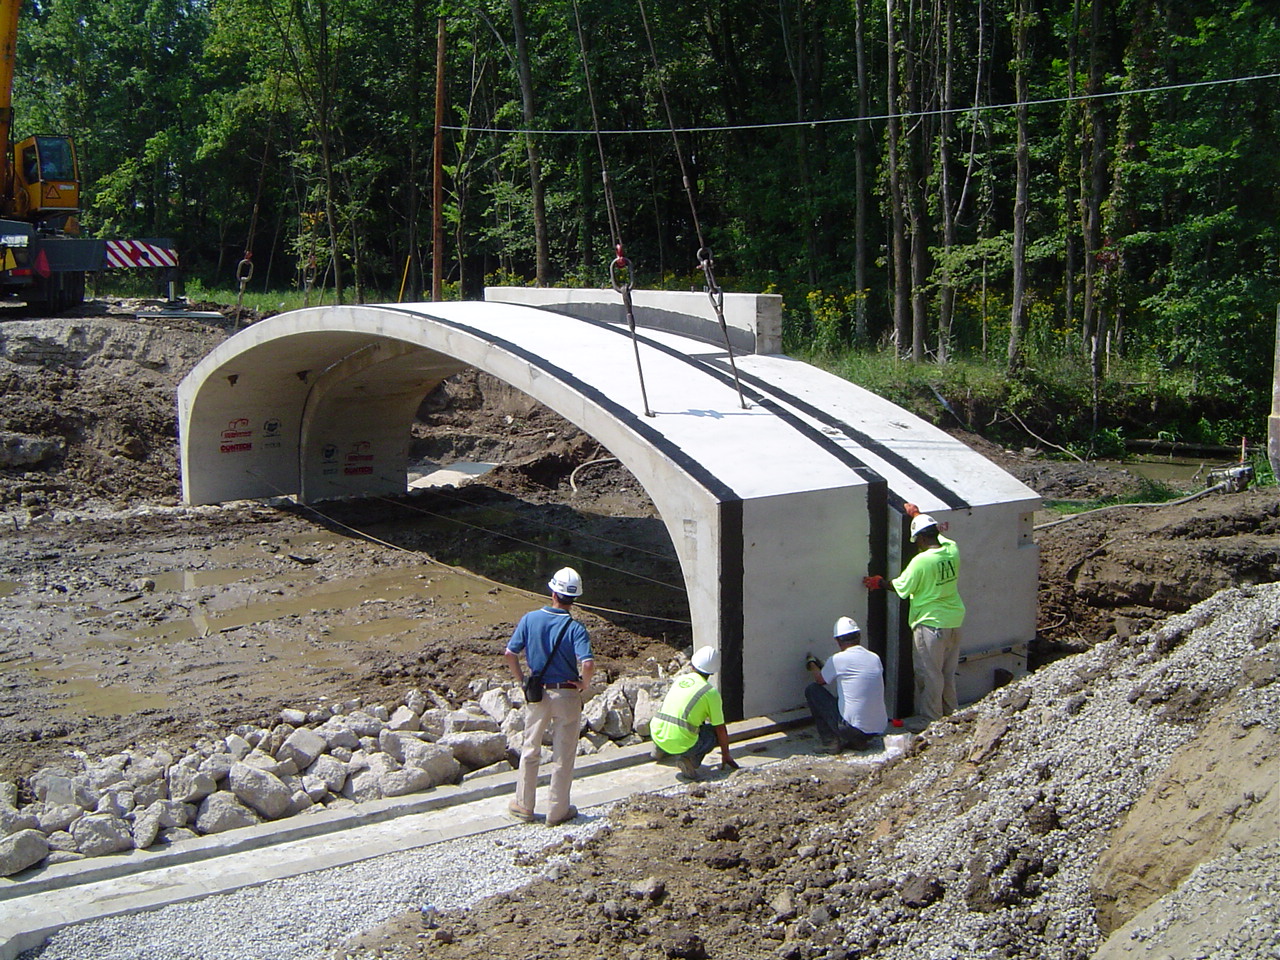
(223, 811)
(98, 834)
(302, 746)
(263, 791)
(21, 850)
(475, 749)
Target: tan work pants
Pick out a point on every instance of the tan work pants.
(937, 658)
(563, 710)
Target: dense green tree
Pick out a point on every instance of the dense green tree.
(1025, 178)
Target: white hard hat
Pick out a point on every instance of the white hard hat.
(566, 582)
(845, 626)
(921, 521)
(706, 660)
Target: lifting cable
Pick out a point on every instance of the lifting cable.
(244, 269)
(529, 543)
(620, 263)
(459, 571)
(705, 261)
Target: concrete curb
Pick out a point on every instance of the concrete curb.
(28, 928)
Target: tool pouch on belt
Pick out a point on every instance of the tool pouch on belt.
(533, 688)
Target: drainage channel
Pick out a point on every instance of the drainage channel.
(34, 909)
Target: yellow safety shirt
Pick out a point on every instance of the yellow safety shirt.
(689, 704)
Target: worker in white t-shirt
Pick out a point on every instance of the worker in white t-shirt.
(846, 697)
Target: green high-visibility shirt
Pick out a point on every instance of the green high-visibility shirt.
(930, 581)
(689, 704)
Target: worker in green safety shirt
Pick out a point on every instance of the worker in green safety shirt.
(691, 719)
(936, 614)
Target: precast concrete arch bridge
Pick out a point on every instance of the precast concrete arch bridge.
(776, 511)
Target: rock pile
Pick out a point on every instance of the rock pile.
(327, 756)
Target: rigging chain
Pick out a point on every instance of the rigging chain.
(620, 262)
(244, 269)
(705, 262)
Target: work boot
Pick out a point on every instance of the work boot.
(830, 749)
(688, 769)
(569, 814)
(517, 812)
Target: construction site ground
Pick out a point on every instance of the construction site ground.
(129, 619)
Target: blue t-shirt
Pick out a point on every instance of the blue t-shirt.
(536, 634)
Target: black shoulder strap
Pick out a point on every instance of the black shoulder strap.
(564, 628)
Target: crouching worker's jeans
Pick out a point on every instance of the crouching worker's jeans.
(701, 747)
(833, 729)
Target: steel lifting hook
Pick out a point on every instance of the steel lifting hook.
(621, 261)
(625, 290)
(244, 273)
(717, 303)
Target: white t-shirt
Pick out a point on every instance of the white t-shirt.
(856, 677)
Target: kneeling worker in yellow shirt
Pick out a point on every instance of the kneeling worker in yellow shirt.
(691, 719)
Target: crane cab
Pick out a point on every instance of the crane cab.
(46, 179)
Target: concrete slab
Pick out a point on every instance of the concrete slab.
(452, 475)
(34, 907)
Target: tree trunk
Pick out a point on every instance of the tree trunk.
(899, 247)
(417, 30)
(1066, 173)
(541, 255)
(1018, 320)
(1093, 164)
(862, 153)
(793, 45)
(916, 168)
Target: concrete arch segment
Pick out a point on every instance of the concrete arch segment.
(903, 458)
(317, 403)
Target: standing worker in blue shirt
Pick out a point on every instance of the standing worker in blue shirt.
(691, 719)
(554, 645)
(937, 612)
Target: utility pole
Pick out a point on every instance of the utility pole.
(1273, 421)
(437, 185)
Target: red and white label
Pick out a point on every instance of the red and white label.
(135, 253)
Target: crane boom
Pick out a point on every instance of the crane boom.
(9, 10)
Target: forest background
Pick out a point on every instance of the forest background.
(1065, 207)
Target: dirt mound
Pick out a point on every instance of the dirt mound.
(1123, 569)
(89, 411)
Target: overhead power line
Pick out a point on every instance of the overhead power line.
(913, 115)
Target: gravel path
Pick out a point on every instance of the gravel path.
(307, 917)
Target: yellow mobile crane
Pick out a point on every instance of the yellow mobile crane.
(41, 261)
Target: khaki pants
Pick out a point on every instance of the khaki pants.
(937, 658)
(563, 710)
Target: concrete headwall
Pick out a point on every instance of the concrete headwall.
(753, 320)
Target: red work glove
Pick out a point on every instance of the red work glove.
(874, 582)
(911, 510)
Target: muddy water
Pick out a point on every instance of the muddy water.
(262, 608)
(364, 591)
(289, 611)
(1180, 473)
